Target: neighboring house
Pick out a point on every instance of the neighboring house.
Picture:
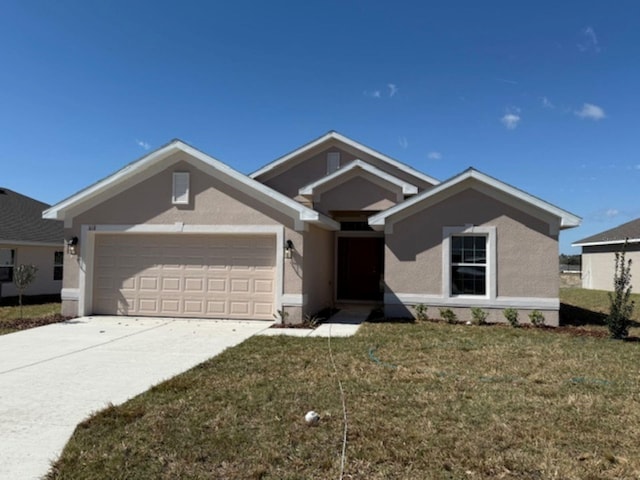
(598, 256)
(27, 238)
(179, 233)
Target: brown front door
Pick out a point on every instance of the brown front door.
(360, 268)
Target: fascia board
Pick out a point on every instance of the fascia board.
(92, 195)
(402, 210)
(58, 211)
(335, 178)
(353, 144)
(605, 242)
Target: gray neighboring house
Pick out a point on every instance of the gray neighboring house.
(27, 238)
(598, 255)
(178, 233)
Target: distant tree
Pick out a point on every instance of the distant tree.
(570, 259)
(23, 276)
(620, 303)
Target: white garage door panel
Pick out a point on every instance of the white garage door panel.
(221, 276)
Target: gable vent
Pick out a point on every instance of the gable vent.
(180, 188)
(333, 162)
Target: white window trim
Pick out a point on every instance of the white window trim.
(491, 272)
(181, 186)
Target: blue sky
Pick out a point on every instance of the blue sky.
(543, 95)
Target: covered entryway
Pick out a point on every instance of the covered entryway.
(360, 268)
(185, 275)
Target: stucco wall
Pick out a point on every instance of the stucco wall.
(598, 265)
(41, 257)
(527, 254)
(319, 265)
(212, 202)
(314, 166)
(356, 194)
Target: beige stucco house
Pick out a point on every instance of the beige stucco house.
(598, 255)
(179, 233)
(28, 239)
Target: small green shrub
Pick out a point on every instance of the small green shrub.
(536, 318)
(281, 315)
(421, 312)
(479, 316)
(620, 303)
(312, 321)
(448, 315)
(511, 314)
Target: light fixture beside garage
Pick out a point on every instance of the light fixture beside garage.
(288, 249)
(72, 244)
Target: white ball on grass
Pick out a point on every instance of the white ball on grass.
(312, 418)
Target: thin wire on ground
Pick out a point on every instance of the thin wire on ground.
(344, 410)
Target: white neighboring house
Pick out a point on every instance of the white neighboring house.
(27, 238)
(598, 256)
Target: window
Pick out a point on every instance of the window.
(58, 261)
(180, 188)
(469, 265)
(7, 262)
(333, 162)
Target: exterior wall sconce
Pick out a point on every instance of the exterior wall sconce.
(288, 249)
(72, 244)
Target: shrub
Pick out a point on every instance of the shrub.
(23, 276)
(448, 315)
(537, 318)
(479, 316)
(421, 311)
(511, 314)
(281, 315)
(621, 305)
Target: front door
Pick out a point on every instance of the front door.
(360, 268)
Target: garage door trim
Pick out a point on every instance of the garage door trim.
(89, 232)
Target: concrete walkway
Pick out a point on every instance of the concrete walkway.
(345, 323)
(53, 377)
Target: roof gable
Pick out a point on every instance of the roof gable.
(357, 168)
(627, 232)
(472, 178)
(287, 161)
(22, 221)
(154, 162)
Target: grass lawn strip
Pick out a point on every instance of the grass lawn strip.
(462, 402)
(32, 316)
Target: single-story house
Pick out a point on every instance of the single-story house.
(598, 255)
(179, 233)
(27, 238)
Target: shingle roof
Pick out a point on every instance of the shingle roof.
(21, 220)
(629, 230)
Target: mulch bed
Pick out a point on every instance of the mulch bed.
(26, 323)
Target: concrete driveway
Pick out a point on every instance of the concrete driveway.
(53, 377)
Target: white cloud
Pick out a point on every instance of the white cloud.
(637, 167)
(393, 89)
(591, 112)
(546, 103)
(612, 212)
(434, 156)
(403, 142)
(511, 119)
(143, 144)
(506, 80)
(590, 41)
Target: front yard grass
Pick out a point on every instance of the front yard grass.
(424, 400)
(32, 316)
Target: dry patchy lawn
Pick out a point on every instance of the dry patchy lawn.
(32, 316)
(424, 400)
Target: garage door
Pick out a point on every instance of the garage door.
(215, 276)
